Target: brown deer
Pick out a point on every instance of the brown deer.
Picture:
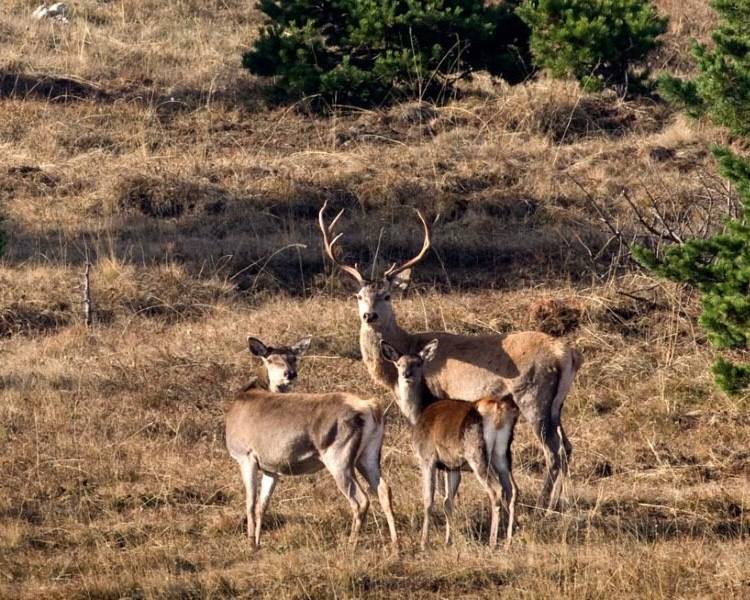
(537, 369)
(452, 435)
(280, 362)
(280, 434)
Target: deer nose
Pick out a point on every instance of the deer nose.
(369, 317)
(290, 375)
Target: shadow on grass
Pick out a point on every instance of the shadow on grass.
(643, 521)
(263, 242)
(48, 87)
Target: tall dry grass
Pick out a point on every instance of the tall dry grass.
(117, 481)
(131, 138)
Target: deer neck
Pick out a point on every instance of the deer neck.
(258, 382)
(413, 399)
(382, 371)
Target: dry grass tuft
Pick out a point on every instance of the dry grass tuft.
(689, 21)
(167, 197)
(554, 317)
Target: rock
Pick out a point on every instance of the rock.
(57, 12)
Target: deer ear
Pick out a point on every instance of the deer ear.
(301, 347)
(389, 352)
(257, 347)
(428, 352)
(401, 281)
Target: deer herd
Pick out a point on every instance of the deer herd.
(461, 394)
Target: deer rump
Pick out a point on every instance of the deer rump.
(449, 427)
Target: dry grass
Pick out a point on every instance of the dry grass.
(689, 21)
(117, 482)
(132, 138)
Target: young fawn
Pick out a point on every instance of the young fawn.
(279, 434)
(453, 435)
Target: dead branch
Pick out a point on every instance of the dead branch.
(604, 216)
(86, 293)
(666, 234)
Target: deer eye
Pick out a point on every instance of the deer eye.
(387, 297)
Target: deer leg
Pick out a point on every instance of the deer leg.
(363, 503)
(369, 466)
(249, 469)
(428, 497)
(550, 439)
(452, 481)
(267, 486)
(568, 447)
(501, 458)
(562, 454)
(503, 466)
(488, 479)
(348, 485)
(339, 460)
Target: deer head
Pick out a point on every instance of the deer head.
(280, 363)
(410, 368)
(374, 295)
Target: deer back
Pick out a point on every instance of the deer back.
(473, 367)
(293, 428)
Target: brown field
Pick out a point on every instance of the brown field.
(132, 138)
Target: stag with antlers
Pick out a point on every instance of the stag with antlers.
(537, 369)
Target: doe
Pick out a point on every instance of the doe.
(280, 434)
(453, 435)
(280, 362)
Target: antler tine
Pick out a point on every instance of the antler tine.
(328, 244)
(335, 220)
(395, 270)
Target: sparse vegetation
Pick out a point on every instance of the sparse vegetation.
(719, 266)
(601, 44)
(115, 478)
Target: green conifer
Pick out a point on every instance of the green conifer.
(722, 88)
(719, 266)
(598, 42)
(366, 52)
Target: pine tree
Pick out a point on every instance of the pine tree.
(720, 266)
(722, 88)
(597, 42)
(365, 52)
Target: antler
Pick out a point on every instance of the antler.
(395, 269)
(328, 244)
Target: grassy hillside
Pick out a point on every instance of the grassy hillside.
(131, 138)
